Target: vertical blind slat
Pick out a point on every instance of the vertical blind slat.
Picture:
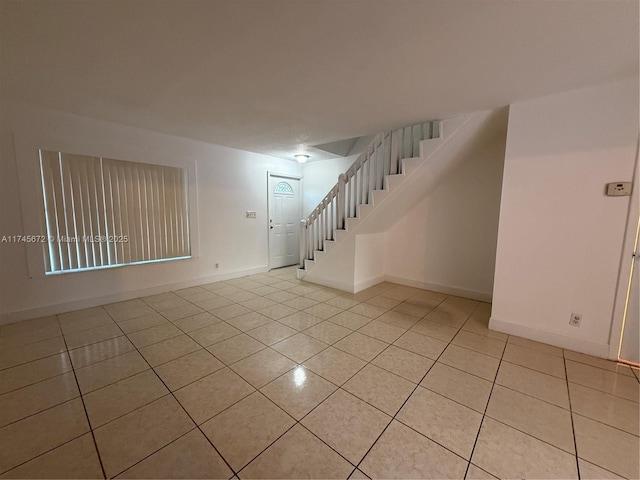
(92, 204)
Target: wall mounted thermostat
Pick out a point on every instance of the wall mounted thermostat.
(619, 189)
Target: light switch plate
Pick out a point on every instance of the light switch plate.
(251, 214)
(619, 189)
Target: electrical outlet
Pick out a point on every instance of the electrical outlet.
(619, 189)
(251, 214)
(575, 320)
(217, 265)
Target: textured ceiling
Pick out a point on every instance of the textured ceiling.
(273, 76)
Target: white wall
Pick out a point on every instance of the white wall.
(224, 183)
(319, 178)
(448, 241)
(560, 237)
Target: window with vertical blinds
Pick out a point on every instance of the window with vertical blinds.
(101, 212)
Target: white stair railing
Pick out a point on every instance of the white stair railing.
(382, 157)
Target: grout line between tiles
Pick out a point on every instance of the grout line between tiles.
(573, 427)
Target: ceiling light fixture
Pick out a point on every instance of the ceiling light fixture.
(301, 158)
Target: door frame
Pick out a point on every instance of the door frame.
(291, 176)
(626, 263)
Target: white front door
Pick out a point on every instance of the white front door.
(284, 221)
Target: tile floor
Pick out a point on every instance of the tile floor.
(269, 377)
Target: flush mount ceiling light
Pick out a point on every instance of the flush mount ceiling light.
(301, 158)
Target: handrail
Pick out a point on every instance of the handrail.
(382, 157)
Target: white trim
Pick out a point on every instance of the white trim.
(47, 310)
(460, 292)
(550, 338)
(280, 175)
(344, 286)
(626, 264)
(358, 287)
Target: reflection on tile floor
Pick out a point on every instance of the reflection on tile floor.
(266, 376)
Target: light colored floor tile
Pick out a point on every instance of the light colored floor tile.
(328, 332)
(609, 409)
(361, 346)
(382, 331)
(85, 319)
(120, 398)
(195, 322)
(249, 321)
(476, 473)
(299, 347)
(40, 333)
(262, 367)
(540, 347)
(210, 395)
(300, 320)
(298, 391)
(28, 373)
(539, 419)
(323, 311)
(347, 424)
(167, 350)
(335, 365)
(236, 348)
(214, 333)
(479, 343)
(21, 441)
(298, 454)
(471, 362)
(241, 432)
(508, 453)
(37, 397)
(259, 303)
(452, 425)
(230, 311)
(448, 319)
(154, 335)
(380, 388)
(75, 459)
(272, 333)
(404, 363)
(34, 351)
(109, 371)
(535, 384)
(383, 302)
(95, 335)
(366, 310)
(128, 309)
(589, 471)
(358, 475)
(598, 362)
(481, 327)
(402, 453)
(184, 370)
(350, 320)
(276, 312)
(421, 344)
(324, 295)
(458, 305)
(279, 296)
(435, 330)
(28, 326)
(300, 303)
(89, 354)
(426, 298)
(142, 323)
(342, 302)
(129, 439)
(603, 380)
(459, 386)
(190, 456)
(242, 297)
(213, 304)
(411, 310)
(535, 360)
(607, 447)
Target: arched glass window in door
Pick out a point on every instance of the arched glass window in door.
(283, 188)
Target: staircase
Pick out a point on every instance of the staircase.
(388, 160)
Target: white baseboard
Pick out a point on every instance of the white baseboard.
(344, 286)
(47, 310)
(358, 287)
(460, 292)
(550, 338)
